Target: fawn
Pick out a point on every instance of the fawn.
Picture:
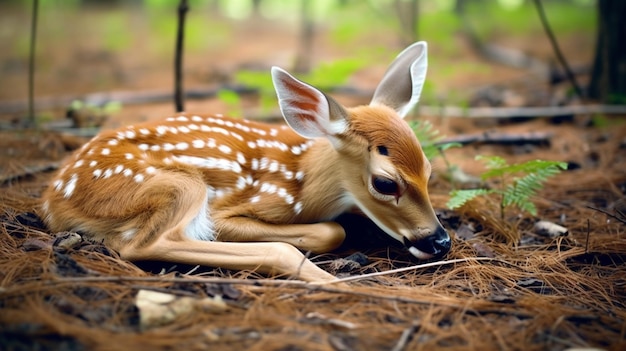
(232, 193)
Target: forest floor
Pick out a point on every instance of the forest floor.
(502, 286)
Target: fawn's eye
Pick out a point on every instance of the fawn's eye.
(384, 185)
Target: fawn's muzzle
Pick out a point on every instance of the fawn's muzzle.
(435, 245)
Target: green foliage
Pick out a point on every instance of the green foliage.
(518, 183)
(521, 19)
(332, 74)
(461, 197)
(602, 121)
(324, 76)
(232, 101)
(429, 137)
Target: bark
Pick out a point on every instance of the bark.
(608, 80)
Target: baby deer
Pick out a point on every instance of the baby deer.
(214, 191)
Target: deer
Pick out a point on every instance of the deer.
(243, 195)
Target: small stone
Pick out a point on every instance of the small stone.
(550, 230)
(67, 240)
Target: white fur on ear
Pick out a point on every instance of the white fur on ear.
(306, 109)
(401, 86)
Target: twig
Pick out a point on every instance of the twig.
(155, 96)
(405, 338)
(623, 221)
(183, 7)
(557, 50)
(415, 267)
(31, 65)
(499, 138)
(587, 238)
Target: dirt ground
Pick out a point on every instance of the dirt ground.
(503, 286)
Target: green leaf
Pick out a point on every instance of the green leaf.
(428, 136)
(459, 198)
(523, 189)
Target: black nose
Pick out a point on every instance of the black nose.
(437, 244)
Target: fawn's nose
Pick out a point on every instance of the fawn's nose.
(435, 245)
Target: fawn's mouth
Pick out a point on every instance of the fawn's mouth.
(435, 245)
(419, 254)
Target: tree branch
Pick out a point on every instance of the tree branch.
(555, 46)
(183, 7)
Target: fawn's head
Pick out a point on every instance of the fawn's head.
(386, 172)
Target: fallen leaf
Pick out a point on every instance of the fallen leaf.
(157, 308)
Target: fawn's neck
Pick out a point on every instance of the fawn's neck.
(323, 192)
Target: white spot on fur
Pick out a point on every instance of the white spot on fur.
(93, 163)
(182, 119)
(70, 186)
(198, 144)
(118, 169)
(182, 146)
(151, 170)
(128, 172)
(143, 147)
(58, 184)
(255, 199)
(113, 142)
(97, 173)
(225, 149)
(129, 156)
(300, 175)
(155, 148)
(210, 163)
(297, 208)
(127, 235)
(105, 151)
(144, 131)
(130, 134)
(107, 173)
(161, 130)
(241, 158)
(138, 178)
(78, 163)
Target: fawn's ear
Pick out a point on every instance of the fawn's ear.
(402, 84)
(307, 110)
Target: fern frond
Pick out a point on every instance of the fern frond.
(526, 167)
(492, 162)
(520, 192)
(428, 136)
(459, 198)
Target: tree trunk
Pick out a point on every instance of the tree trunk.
(608, 80)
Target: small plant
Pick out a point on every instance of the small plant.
(518, 183)
(430, 138)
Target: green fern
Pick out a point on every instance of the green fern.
(458, 198)
(429, 138)
(514, 190)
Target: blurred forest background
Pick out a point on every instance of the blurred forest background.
(95, 54)
(505, 285)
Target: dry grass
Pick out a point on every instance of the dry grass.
(542, 294)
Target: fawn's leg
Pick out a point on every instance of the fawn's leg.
(165, 234)
(317, 237)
